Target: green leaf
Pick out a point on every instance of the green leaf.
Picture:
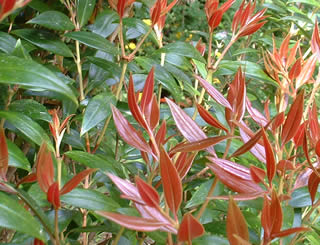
(31, 75)
(200, 194)
(53, 20)
(310, 2)
(93, 40)
(210, 239)
(32, 130)
(14, 216)
(31, 108)
(300, 198)
(39, 5)
(84, 10)
(105, 164)
(97, 110)
(7, 42)
(45, 40)
(252, 70)
(183, 49)
(20, 51)
(106, 65)
(103, 24)
(17, 158)
(89, 199)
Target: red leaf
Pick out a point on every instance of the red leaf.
(313, 124)
(258, 117)
(128, 190)
(53, 195)
(201, 47)
(306, 71)
(38, 242)
(293, 120)
(148, 89)
(313, 184)
(250, 29)
(148, 194)
(236, 224)
(284, 165)
(120, 8)
(278, 121)
(189, 229)
(298, 138)
(210, 119)
(214, 93)
(45, 171)
(134, 108)
(302, 179)
(161, 134)
(187, 127)
(71, 184)
(200, 145)
(184, 162)
(315, 40)
(215, 19)
(4, 155)
(152, 113)
(295, 69)
(30, 178)
(271, 163)
(171, 182)
(128, 133)
(317, 148)
(6, 6)
(289, 232)
(234, 176)
(132, 223)
(257, 174)
(156, 12)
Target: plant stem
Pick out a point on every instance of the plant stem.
(56, 225)
(11, 93)
(123, 52)
(209, 51)
(116, 240)
(232, 41)
(131, 56)
(205, 204)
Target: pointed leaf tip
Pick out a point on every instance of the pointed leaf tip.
(189, 229)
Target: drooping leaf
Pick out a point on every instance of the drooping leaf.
(53, 195)
(27, 126)
(4, 155)
(133, 223)
(293, 119)
(54, 20)
(147, 192)
(236, 224)
(171, 182)
(45, 40)
(15, 217)
(45, 171)
(97, 110)
(128, 132)
(313, 184)
(189, 229)
(31, 75)
(92, 40)
(84, 10)
(75, 181)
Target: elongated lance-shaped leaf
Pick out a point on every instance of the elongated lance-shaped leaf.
(184, 162)
(214, 93)
(133, 223)
(147, 90)
(75, 181)
(128, 133)
(189, 229)
(257, 174)
(53, 195)
(290, 231)
(314, 124)
(147, 192)
(236, 224)
(315, 40)
(270, 160)
(45, 171)
(161, 134)
(313, 184)
(293, 119)
(120, 8)
(4, 155)
(201, 144)
(187, 127)
(152, 113)
(171, 182)
(210, 119)
(256, 115)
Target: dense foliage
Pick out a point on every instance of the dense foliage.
(155, 122)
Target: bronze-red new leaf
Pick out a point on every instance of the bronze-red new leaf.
(171, 182)
(293, 119)
(313, 184)
(270, 160)
(4, 155)
(184, 162)
(257, 174)
(189, 229)
(236, 224)
(75, 181)
(53, 195)
(148, 89)
(45, 171)
(147, 192)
